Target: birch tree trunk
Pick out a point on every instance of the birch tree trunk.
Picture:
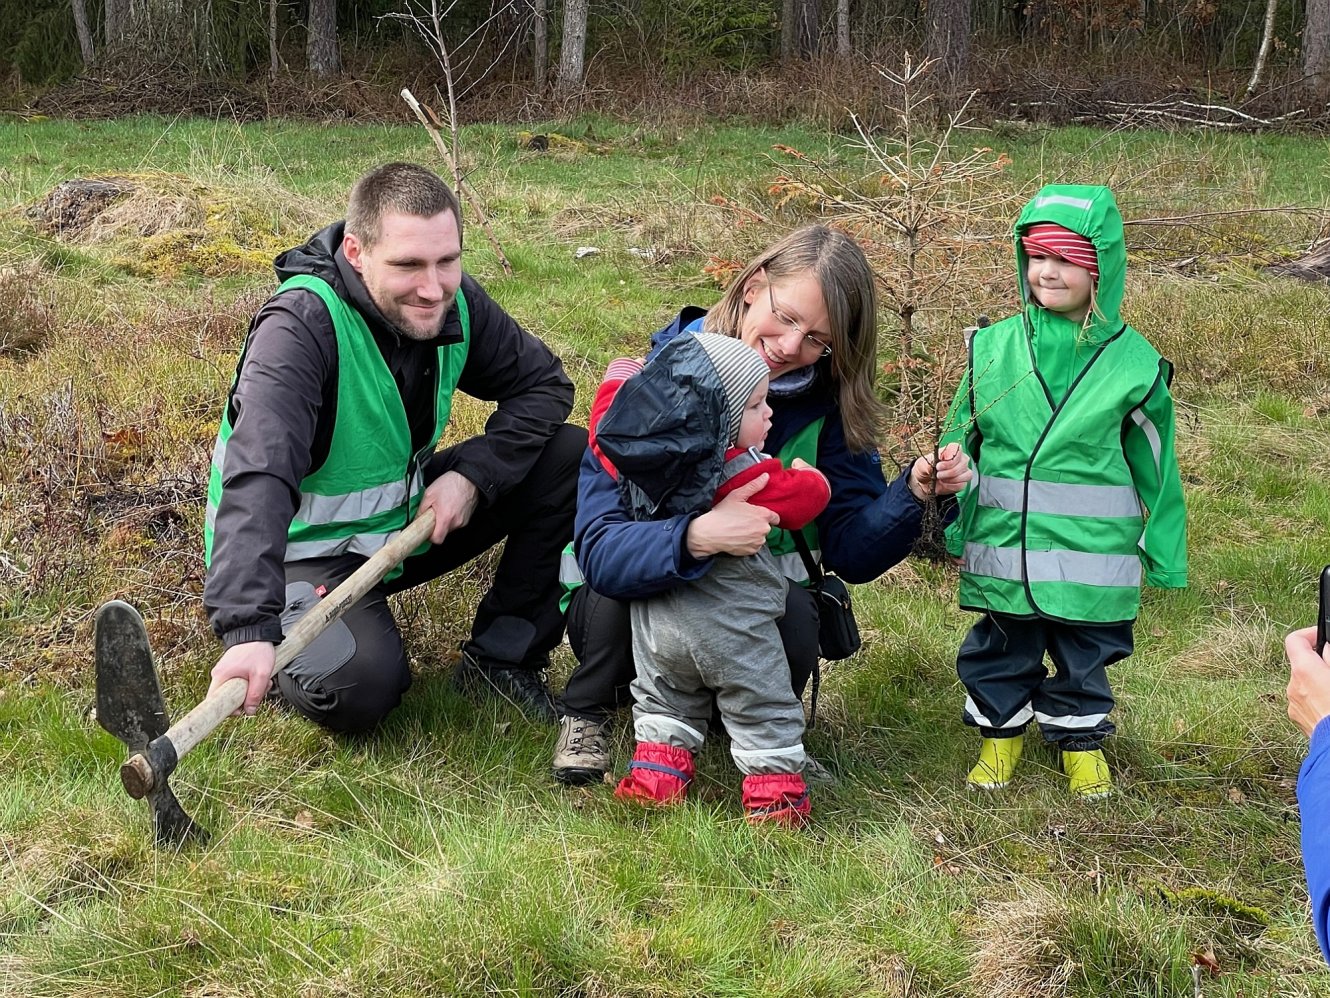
(843, 28)
(322, 53)
(84, 32)
(1267, 35)
(573, 50)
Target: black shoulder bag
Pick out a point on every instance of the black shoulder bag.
(837, 632)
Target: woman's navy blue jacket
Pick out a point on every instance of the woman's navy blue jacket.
(867, 527)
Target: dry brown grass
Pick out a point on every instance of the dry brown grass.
(26, 314)
(1018, 953)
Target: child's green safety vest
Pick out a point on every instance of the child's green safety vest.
(1051, 521)
(370, 485)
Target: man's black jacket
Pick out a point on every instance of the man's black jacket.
(284, 402)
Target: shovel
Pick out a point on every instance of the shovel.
(129, 695)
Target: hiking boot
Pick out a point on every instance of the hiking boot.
(582, 753)
(997, 761)
(525, 689)
(1087, 774)
(818, 774)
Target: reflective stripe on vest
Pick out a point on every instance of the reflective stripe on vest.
(1079, 567)
(1059, 498)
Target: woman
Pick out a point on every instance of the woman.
(809, 307)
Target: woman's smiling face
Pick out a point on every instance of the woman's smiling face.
(786, 322)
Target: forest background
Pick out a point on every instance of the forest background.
(1056, 60)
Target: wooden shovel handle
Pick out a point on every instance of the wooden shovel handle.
(227, 698)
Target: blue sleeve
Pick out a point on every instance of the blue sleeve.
(621, 557)
(1314, 807)
(869, 525)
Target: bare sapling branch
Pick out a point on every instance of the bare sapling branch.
(450, 151)
(430, 121)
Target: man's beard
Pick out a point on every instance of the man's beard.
(396, 321)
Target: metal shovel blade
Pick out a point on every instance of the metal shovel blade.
(129, 697)
(130, 705)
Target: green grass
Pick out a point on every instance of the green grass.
(438, 857)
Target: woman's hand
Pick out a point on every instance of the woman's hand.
(734, 526)
(946, 478)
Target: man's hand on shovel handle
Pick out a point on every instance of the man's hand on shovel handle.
(251, 661)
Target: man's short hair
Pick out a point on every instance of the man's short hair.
(401, 187)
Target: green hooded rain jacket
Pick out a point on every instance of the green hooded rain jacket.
(1076, 498)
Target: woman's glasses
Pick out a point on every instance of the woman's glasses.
(808, 341)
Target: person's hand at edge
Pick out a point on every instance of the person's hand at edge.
(1308, 680)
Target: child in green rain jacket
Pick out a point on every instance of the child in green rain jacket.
(1066, 416)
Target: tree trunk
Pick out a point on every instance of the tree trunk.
(322, 53)
(807, 20)
(540, 44)
(573, 50)
(1316, 46)
(84, 32)
(787, 22)
(112, 21)
(947, 38)
(274, 57)
(1267, 34)
(843, 28)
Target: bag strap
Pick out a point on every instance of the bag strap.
(815, 577)
(814, 569)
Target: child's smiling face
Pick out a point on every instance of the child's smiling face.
(1060, 286)
(756, 421)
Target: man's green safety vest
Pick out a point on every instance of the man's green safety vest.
(779, 542)
(370, 485)
(1052, 523)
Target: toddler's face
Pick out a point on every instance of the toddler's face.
(1060, 286)
(756, 422)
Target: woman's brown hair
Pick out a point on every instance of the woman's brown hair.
(850, 294)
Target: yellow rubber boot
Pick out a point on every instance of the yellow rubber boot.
(997, 761)
(1087, 774)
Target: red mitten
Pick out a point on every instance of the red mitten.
(658, 774)
(796, 495)
(779, 797)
